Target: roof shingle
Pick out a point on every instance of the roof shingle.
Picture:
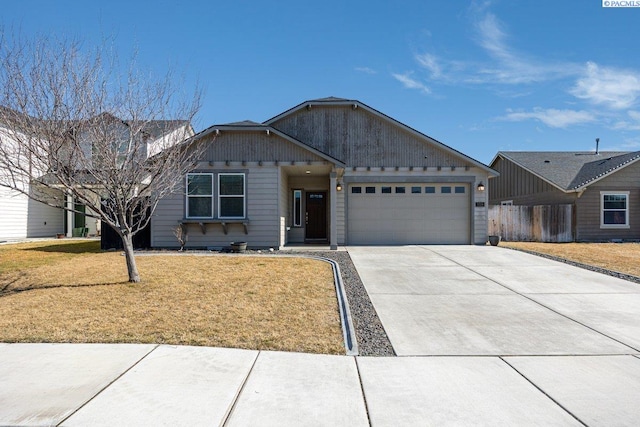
(570, 170)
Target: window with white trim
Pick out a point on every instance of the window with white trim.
(231, 195)
(614, 212)
(297, 208)
(199, 195)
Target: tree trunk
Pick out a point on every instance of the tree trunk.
(132, 268)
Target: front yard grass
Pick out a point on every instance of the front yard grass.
(620, 257)
(72, 292)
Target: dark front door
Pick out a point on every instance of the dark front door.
(316, 215)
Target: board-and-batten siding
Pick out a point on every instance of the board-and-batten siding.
(263, 209)
(523, 188)
(360, 138)
(588, 207)
(254, 146)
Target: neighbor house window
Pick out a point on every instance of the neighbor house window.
(231, 196)
(199, 195)
(615, 209)
(297, 208)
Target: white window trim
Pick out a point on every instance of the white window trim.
(187, 196)
(244, 196)
(293, 207)
(614, 193)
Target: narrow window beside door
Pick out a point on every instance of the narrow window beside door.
(297, 208)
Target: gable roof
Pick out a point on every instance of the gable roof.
(569, 170)
(248, 125)
(355, 104)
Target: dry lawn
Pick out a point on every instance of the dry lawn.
(71, 292)
(620, 257)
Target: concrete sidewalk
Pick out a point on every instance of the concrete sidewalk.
(486, 336)
(146, 385)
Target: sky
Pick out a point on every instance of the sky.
(478, 76)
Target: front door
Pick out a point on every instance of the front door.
(316, 216)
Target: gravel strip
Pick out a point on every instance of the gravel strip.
(371, 336)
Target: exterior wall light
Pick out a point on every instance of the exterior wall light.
(339, 186)
(481, 186)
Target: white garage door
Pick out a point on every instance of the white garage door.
(408, 214)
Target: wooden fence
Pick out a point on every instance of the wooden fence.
(532, 223)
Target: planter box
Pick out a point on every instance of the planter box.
(238, 247)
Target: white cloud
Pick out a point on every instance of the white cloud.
(614, 88)
(510, 66)
(410, 83)
(552, 117)
(366, 70)
(504, 65)
(431, 63)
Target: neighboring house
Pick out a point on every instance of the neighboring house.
(21, 217)
(332, 171)
(603, 187)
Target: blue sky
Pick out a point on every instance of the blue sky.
(479, 76)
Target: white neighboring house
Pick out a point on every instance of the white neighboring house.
(22, 217)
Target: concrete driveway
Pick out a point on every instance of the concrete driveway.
(492, 301)
(560, 338)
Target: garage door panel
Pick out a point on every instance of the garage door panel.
(411, 217)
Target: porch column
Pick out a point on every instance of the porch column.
(333, 212)
(69, 213)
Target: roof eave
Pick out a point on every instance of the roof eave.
(265, 128)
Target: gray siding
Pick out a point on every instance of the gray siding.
(284, 206)
(360, 138)
(253, 146)
(263, 209)
(522, 187)
(588, 207)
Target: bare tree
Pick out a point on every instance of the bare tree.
(76, 128)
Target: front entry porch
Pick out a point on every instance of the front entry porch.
(310, 213)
